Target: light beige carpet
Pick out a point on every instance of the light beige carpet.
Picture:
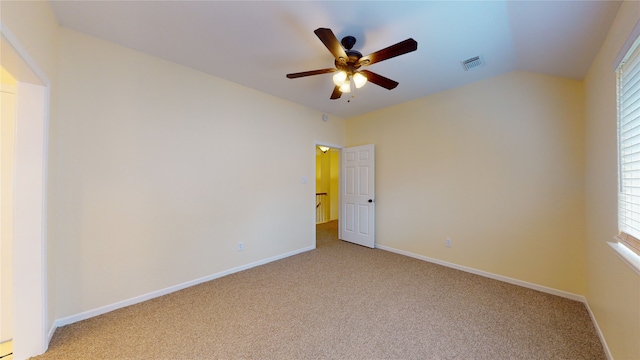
(340, 301)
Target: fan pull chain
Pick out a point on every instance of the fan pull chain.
(353, 92)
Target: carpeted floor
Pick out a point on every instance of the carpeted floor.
(340, 301)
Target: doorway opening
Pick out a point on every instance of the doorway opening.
(7, 119)
(327, 204)
(29, 275)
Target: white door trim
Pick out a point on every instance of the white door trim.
(31, 336)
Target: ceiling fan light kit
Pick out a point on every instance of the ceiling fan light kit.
(345, 88)
(348, 62)
(339, 78)
(359, 80)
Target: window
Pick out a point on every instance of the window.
(628, 75)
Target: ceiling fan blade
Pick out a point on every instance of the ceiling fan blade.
(336, 93)
(379, 80)
(309, 73)
(331, 42)
(400, 48)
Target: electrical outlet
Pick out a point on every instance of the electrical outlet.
(447, 242)
(240, 246)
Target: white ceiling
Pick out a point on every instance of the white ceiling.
(256, 43)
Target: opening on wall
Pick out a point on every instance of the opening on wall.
(327, 204)
(28, 217)
(7, 116)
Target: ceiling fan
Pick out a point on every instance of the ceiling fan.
(348, 62)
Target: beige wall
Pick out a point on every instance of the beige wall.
(36, 27)
(318, 170)
(613, 289)
(334, 184)
(6, 78)
(163, 169)
(497, 166)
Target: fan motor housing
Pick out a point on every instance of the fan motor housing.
(351, 64)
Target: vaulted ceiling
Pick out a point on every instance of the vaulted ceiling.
(256, 43)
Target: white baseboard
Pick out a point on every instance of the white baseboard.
(600, 334)
(138, 299)
(506, 279)
(509, 280)
(52, 330)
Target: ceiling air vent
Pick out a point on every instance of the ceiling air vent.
(472, 63)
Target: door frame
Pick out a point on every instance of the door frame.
(31, 336)
(317, 143)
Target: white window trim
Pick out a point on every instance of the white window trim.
(629, 257)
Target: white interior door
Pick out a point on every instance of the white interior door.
(358, 195)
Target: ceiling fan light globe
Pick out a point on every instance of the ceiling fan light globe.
(339, 78)
(359, 80)
(346, 87)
